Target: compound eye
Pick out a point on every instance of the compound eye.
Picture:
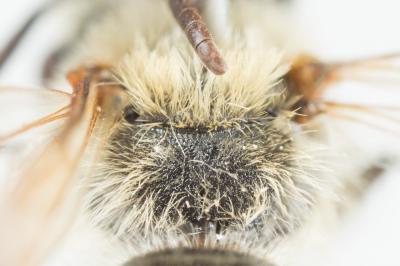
(130, 115)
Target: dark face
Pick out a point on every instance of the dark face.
(241, 177)
(207, 175)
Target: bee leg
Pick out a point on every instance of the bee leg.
(83, 80)
(308, 80)
(187, 13)
(39, 208)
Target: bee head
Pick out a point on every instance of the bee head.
(198, 149)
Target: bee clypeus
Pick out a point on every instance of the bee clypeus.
(178, 148)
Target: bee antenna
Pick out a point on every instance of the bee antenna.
(188, 16)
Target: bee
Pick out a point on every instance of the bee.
(182, 147)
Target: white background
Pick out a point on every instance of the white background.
(335, 29)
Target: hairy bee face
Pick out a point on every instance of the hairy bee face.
(201, 157)
(200, 161)
(157, 178)
(241, 177)
(225, 175)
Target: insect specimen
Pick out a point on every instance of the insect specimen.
(179, 149)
